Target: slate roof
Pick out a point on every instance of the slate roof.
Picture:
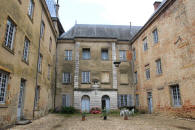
(120, 32)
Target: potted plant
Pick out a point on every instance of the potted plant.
(126, 114)
(83, 116)
(104, 113)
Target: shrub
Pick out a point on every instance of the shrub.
(68, 110)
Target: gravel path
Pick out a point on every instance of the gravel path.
(95, 122)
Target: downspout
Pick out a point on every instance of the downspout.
(55, 76)
(36, 82)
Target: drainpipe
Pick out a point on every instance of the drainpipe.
(36, 82)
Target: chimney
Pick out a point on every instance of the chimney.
(156, 5)
(57, 9)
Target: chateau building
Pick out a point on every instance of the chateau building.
(86, 74)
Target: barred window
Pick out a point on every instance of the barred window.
(10, 33)
(68, 55)
(66, 77)
(123, 56)
(31, 9)
(26, 49)
(176, 98)
(3, 86)
(85, 77)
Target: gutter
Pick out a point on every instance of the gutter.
(36, 83)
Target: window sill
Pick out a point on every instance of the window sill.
(67, 83)
(124, 83)
(8, 49)
(3, 106)
(85, 83)
(86, 59)
(26, 62)
(105, 82)
(158, 75)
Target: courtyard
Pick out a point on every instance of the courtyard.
(114, 122)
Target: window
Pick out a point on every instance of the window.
(66, 100)
(10, 33)
(147, 69)
(122, 54)
(37, 96)
(104, 54)
(158, 67)
(50, 44)
(155, 35)
(85, 77)
(135, 77)
(26, 49)
(125, 100)
(86, 53)
(68, 54)
(66, 77)
(124, 78)
(3, 86)
(40, 63)
(42, 29)
(145, 44)
(105, 77)
(31, 9)
(134, 54)
(49, 72)
(176, 98)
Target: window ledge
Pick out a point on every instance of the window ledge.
(86, 83)
(158, 75)
(3, 106)
(124, 83)
(67, 83)
(105, 82)
(26, 62)
(8, 49)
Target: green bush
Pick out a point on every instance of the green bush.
(68, 110)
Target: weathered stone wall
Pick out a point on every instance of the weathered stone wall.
(175, 48)
(17, 69)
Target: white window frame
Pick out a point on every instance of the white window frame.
(176, 97)
(86, 77)
(3, 86)
(66, 100)
(68, 55)
(10, 34)
(26, 49)
(66, 77)
(31, 8)
(123, 55)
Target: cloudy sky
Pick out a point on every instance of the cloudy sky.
(114, 12)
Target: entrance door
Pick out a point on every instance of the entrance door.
(106, 102)
(21, 100)
(150, 102)
(85, 103)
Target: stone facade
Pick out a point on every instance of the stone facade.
(18, 70)
(175, 22)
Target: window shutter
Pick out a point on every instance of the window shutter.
(63, 100)
(63, 77)
(119, 100)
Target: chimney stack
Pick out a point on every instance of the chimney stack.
(156, 5)
(57, 9)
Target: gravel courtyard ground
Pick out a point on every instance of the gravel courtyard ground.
(95, 122)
